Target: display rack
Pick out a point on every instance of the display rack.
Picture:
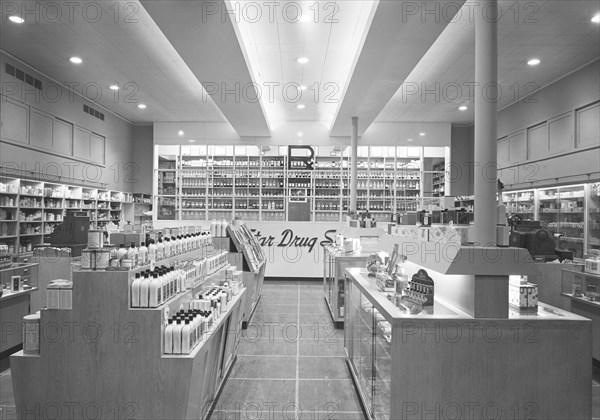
(31, 209)
(121, 348)
(259, 183)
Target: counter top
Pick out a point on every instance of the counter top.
(11, 295)
(17, 266)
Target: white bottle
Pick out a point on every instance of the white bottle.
(160, 250)
(186, 337)
(213, 228)
(168, 248)
(177, 337)
(142, 254)
(135, 291)
(144, 287)
(169, 337)
(132, 254)
(152, 250)
(165, 284)
(155, 292)
(121, 252)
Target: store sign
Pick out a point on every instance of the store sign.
(293, 249)
(301, 157)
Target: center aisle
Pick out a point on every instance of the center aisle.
(291, 362)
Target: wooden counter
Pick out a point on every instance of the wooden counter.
(442, 363)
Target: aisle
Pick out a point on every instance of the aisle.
(291, 361)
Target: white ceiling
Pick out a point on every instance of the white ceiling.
(131, 51)
(138, 50)
(559, 33)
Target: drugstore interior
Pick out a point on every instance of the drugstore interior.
(245, 159)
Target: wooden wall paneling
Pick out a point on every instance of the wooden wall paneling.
(41, 127)
(62, 137)
(561, 137)
(82, 143)
(14, 120)
(537, 141)
(517, 148)
(587, 122)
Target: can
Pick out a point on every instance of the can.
(95, 238)
(31, 334)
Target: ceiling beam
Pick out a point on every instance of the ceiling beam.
(400, 34)
(204, 36)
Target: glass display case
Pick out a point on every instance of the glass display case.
(593, 224)
(521, 203)
(582, 286)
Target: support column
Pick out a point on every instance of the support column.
(354, 160)
(486, 98)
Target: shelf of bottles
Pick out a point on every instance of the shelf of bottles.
(521, 203)
(31, 209)
(204, 182)
(593, 241)
(561, 211)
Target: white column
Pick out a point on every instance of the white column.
(486, 78)
(353, 159)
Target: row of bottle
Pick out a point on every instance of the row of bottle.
(218, 228)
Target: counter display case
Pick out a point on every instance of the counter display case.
(123, 349)
(583, 290)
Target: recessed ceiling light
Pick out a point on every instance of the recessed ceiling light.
(534, 62)
(142, 106)
(300, 106)
(596, 19)
(303, 60)
(463, 108)
(300, 133)
(180, 132)
(422, 134)
(192, 141)
(75, 60)
(114, 87)
(16, 19)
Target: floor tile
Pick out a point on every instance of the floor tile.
(255, 395)
(328, 395)
(267, 347)
(274, 318)
(264, 367)
(323, 368)
(311, 348)
(280, 308)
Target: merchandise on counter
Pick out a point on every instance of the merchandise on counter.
(420, 289)
(59, 294)
(31, 333)
(523, 295)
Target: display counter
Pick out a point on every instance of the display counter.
(15, 305)
(335, 263)
(443, 362)
(108, 356)
(583, 293)
(549, 283)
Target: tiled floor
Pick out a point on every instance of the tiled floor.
(291, 361)
(290, 365)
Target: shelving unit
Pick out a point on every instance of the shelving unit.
(521, 203)
(593, 215)
(31, 209)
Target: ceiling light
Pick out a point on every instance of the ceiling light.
(141, 106)
(596, 19)
(300, 106)
(180, 132)
(75, 60)
(303, 60)
(422, 134)
(300, 134)
(16, 19)
(192, 141)
(463, 108)
(534, 62)
(114, 87)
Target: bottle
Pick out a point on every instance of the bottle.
(168, 252)
(132, 254)
(121, 252)
(155, 292)
(142, 254)
(144, 287)
(169, 337)
(177, 336)
(166, 286)
(186, 337)
(152, 251)
(135, 291)
(160, 250)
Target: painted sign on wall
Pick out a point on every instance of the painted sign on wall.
(294, 249)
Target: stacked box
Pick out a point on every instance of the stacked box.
(523, 296)
(59, 294)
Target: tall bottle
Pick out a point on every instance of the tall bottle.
(142, 254)
(160, 250)
(169, 337)
(135, 290)
(132, 254)
(177, 337)
(155, 292)
(152, 251)
(144, 288)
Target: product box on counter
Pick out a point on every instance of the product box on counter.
(59, 294)
(592, 266)
(523, 296)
